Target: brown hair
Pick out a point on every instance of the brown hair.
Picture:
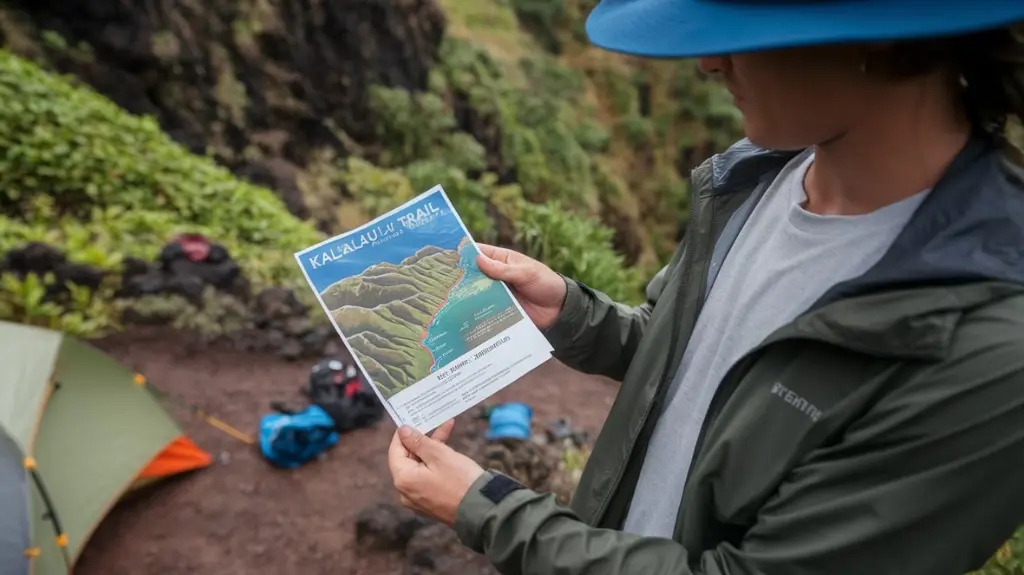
(987, 67)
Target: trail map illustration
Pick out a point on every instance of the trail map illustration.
(407, 295)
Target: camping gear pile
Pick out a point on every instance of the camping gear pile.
(78, 430)
(339, 402)
(185, 266)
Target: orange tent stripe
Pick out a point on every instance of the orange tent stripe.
(179, 456)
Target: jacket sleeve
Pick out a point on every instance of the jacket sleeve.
(926, 482)
(595, 334)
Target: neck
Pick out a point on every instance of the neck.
(892, 154)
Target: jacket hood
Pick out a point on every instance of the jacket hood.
(967, 233)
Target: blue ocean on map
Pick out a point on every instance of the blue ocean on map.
(474, 299)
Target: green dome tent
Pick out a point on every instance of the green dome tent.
(78, 430)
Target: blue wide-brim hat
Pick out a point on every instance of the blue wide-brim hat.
(691, 28)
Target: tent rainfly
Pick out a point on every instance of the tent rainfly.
(78, 430)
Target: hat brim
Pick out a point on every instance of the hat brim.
(691, 28)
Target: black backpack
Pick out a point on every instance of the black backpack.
(336, 387)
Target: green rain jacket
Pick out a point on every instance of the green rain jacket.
(882, 431)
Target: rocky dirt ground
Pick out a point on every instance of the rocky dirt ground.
(242, 516)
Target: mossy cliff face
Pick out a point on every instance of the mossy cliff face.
(347, 107)
(245, 80)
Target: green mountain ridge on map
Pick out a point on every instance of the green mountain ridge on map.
(384, 311)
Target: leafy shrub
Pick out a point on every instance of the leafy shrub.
(421, 126)
(81, 313)
(638, 130)
(592, 136)
(78, 172)
(577, 248)
(544, 137)
(218, 315)
(378, 190)
(105, 169)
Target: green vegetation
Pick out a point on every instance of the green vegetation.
(560, 156)
(431, 271)
(554, 149)
(80, 173)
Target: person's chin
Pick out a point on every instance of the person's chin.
(760, 138)
(771, 141)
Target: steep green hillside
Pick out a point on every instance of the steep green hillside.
(386, 310)
(430, 272)
(78, 172)
(73, 160)
(574, 155)
(571, 154)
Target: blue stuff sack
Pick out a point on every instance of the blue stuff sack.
(290, 440)
(510, 420)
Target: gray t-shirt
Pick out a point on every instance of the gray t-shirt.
(783, 260)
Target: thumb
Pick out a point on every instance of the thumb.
(420, 445)
(502, 271)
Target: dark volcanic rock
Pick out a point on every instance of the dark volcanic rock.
(79, 274)
(436, 549)
(387, 526)
(280, 323)
(277, 303)
(235, 75)
(41, 259)
(34, 258)
(281, 175)
(175, 273)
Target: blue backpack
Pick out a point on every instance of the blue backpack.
(290, 440)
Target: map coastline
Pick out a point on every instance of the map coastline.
(437, 312)
(429, 331)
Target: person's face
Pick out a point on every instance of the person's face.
(795, 98)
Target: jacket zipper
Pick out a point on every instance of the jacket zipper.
(731, 380)
(669, 372)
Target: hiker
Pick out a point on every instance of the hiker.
(828, 377)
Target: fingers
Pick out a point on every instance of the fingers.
(494, 252)
(399, 457)
(427, 449)
(494, 269)
(514, 274)
(443, 432)
(505, 265)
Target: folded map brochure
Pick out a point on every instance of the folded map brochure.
(431, 333)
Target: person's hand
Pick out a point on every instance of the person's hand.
(538, 288)
(431, 477)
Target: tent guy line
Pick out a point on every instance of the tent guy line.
(195, 410)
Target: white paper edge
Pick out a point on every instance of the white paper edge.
(355, 357)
